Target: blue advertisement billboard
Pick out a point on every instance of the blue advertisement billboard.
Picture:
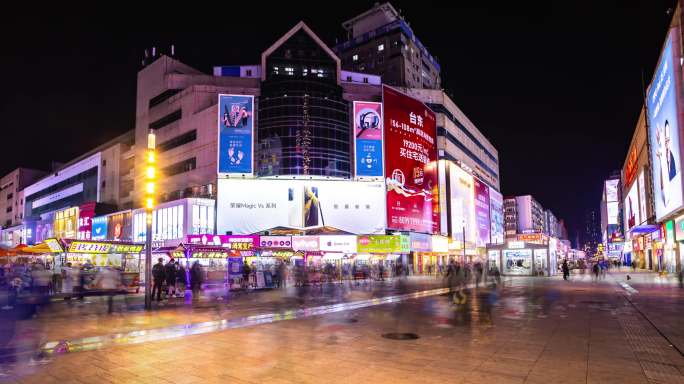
(235, 130)
(664, 135)
(368, 138)
(99, 231)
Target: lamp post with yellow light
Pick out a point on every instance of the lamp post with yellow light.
(150, 193)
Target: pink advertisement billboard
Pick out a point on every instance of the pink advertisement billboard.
(482, 218)
(411, 164)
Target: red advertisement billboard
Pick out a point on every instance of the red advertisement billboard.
(410, 164)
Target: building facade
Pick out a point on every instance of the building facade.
(381, 42)
(11, 193)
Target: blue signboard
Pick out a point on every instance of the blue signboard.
(663, 131)
(235, 130)
(368, 138)
(99, 228)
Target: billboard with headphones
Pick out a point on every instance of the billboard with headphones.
(368, 138)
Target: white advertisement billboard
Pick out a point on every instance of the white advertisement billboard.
(613, 212)
(250, 206)
(497, 216)
(642, 196)
(631, 208)
(612, 190)
(462, 205)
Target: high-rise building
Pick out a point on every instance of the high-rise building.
(510, 217)
(12, 230)
(551, 224)
(592, 232)
(381, 42)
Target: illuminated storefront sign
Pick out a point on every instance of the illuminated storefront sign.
(516, 244)
(305, 243)
(54, 245)
(382, 244)
(234, 242)
(99, 228)
(440, 244)
(538, 238)
(98, 247)
(462, 196)
(420, 242)
(86, 212)
(482, 219)
(411, 164)
(66, 223)
(497, 216)
(368, 138)
(275, 242)
(630, 169)
(338, 243)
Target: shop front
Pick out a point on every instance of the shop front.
(518, 258)
(91, 257)
(424, 261)
(386, 251)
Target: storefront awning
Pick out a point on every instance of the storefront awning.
(643, 229)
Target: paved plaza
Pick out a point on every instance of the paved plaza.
(527, 330)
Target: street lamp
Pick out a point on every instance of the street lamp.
(150, 189)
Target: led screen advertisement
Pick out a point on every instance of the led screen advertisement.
(251, 206)
(613, 212)
(368, 138)
(482, 219)
(497, 217)
(664, 135)
(235, 131)
(631, 208)
(411, 164)
(462, 196)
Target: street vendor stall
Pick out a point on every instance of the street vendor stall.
(92, 256)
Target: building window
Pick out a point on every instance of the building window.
(104, 163)
(381, 47)
(180, 167)
(365, 80)
(10, 195)
(349, 79)
(9, 209)
(355, 58)
(177, 141)
(104, 183)
(166, 120)
(162, 97)
(249, 72)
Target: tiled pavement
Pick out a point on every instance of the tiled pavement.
(534, 330)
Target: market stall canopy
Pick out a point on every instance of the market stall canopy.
(327, 230)
(40, 248)
(201, 251)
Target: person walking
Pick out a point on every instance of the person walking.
(246, 272)
(158, 275)
(596, 269)
(181, 279)
(196, 278)
(566, 269)
(109, 281)
(170, 275)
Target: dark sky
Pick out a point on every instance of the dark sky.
(557, 88)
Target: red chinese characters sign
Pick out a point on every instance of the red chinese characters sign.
(410, 164)
(630, 169)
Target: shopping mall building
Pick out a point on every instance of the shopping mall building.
(294, 156)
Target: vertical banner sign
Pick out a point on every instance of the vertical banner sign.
(411, 164)
(368, 138)
(482, 218)
(235, 131)
(497, 217)
(664, 135)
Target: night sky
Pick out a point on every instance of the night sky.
(557, 88)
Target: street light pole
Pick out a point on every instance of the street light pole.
(150, 186)
(464, 241)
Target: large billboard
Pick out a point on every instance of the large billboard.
(251, 206)
(612, 190)
(663, 127)
(368, 138)
(482, 213)
(235, 132)
(462, 196)
(410, 164)
(497, 217)
(631, 208)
